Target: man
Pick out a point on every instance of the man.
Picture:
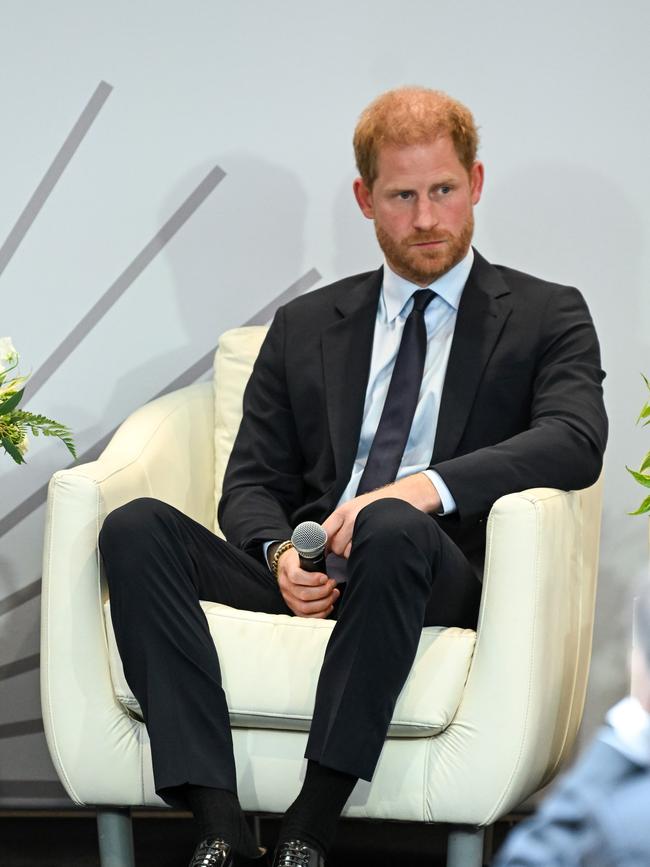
(394, 408)
(598, 813)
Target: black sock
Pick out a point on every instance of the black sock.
(218, 813)
(314, 814)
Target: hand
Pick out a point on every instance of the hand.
(308, 594)
(340, 524)
(417, 489)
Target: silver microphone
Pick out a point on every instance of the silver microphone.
(309, 540)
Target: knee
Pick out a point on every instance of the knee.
(387, 529)
(130, 524)
(391, 519)
(393, 539)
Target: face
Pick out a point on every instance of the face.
(422, 205)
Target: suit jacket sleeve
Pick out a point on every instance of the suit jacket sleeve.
(564, 443)
(263, 480)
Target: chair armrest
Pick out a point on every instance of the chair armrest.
(525, 691)
(164, 450)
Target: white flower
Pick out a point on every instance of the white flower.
(11, 387)
(8, 354)
(23, 445)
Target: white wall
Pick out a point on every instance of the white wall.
(270, 93)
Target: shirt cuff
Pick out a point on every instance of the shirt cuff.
(267, 545)
(447, 502)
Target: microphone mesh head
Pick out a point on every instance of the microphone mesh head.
(309, 539)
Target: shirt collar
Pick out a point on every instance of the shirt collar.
(396, 290)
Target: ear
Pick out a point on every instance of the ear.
(364, 198)
(476, 178)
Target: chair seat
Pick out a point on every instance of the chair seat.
(270, 665)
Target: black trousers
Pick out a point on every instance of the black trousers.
(403, 573)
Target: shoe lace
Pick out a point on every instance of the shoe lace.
(210, 853)
(293, 854)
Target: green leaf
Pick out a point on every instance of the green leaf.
(643, 508)
(11, 402)
(646, 463)
(640, 477)
(40, 424)
(11, 449)
(645, 412)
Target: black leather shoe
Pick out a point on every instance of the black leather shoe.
(295, 853)
(213, 852)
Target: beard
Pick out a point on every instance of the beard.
(423, 266)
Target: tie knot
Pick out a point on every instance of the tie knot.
(421, 298)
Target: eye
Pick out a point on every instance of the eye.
(445, 189)
(405, 195)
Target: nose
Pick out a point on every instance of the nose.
(426, 216)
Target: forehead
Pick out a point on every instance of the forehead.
(399, 162)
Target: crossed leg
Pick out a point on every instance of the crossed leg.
(404, 573)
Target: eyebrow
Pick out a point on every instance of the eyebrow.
(443, 182)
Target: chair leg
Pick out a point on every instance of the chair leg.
(465, 846)
(257, 830)
(115, 833)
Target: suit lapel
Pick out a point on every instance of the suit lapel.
(347, 350)
(484, 308)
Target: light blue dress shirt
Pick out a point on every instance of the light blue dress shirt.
(395, 304)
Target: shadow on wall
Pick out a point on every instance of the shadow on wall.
(355, 244)
(574, 225)
(243, 247)
(567, 223)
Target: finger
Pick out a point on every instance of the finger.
(313, 594)
(341, 541)
(311, 609)
(332, 524)
(323, 614)
(301, 578)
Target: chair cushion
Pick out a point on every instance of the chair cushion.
(270, 665)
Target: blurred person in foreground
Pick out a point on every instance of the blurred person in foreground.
(598, 814)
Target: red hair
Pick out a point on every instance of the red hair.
(412, 115)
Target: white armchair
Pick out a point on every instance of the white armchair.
(484, 720)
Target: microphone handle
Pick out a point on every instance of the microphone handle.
(317, 564)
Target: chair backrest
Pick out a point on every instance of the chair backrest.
(233, 363)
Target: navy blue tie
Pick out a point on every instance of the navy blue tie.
(394, 426)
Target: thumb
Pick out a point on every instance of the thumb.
(332, 524)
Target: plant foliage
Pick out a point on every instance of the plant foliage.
(642, 475)
(15, 423)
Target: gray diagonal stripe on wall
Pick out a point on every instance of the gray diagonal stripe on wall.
(20, 728)
(126, 278)
(35, 500)
(19, 597)
(52, 175)
(19, 666)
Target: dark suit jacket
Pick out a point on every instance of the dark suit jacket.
(521, 404)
